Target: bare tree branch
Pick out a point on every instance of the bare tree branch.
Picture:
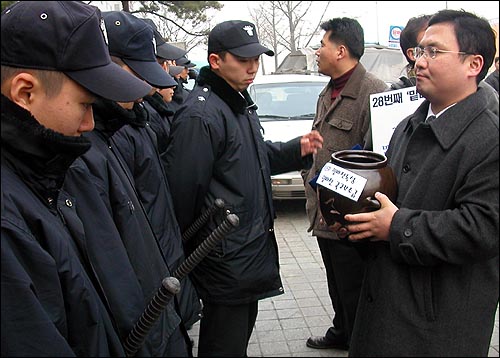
(282, 26)
(318, 24)
(205, 33)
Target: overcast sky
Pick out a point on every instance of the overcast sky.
(376, 17)
(368, 13)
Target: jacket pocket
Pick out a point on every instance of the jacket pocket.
(250, 228)
(341, 123)
(430, 312)
(421, 280)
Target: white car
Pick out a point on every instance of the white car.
(286, 107)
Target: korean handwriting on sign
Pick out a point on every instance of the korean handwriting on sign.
(342, 181)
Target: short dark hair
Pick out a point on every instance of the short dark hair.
(222, 54)
(348, 32)
(52, 81)
(474, 35)
(408, 37)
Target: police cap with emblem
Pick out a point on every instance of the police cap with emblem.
(164, 50)
(237, 37)
(132, 40)
(69, 37)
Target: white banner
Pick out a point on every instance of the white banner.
(387, 109)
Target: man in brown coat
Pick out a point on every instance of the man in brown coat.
(343, 119)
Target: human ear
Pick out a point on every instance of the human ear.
(476, 63)
(214, 60)
(23, 89)
(342, 52)
(410, 53)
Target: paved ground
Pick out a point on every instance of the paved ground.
(285, 322)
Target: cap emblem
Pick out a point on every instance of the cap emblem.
(248, 29)
(104, 32)
(154, 45)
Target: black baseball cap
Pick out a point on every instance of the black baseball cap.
(237, 37)
(132, 40)
(185, 62)
(164, 50)
(69, 37)
(175, 70)
(169, 52)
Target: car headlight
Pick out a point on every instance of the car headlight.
(278, 181)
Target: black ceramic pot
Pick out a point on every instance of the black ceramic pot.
(367, 164)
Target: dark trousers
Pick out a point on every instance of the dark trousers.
(225, 330)
(344, 272)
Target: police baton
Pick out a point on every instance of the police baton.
(170, 286)
(202, 219)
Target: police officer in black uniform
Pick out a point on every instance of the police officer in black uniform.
(217, 151)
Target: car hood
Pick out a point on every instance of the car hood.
(285, 130)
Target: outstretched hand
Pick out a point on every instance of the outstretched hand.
(310, 143)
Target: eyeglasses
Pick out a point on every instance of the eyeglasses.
(430, 51)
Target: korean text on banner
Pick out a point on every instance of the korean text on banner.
(387, 110)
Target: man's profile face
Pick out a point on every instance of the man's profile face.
(239, 72)
(327, 56)
(409, 52)
(184, 73)
(68, 113)
(167, 94)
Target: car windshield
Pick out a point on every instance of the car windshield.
(277, 101)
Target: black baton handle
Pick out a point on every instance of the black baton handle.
(202, 219)
(206, 246)
(171, 285)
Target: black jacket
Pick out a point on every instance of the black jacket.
(160, 117)
(137, 145)
(50, 306)
(120, 243)
(217, 151)
(180, 95)
(403, 82)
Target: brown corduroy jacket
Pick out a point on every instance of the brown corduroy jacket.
(343, 124)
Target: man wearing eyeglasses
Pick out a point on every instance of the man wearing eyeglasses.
(431, 284)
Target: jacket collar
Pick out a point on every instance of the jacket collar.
(352, 87)
(39, 155)
(109, 116)
(156, 101)
(237, 101)
(454, 121)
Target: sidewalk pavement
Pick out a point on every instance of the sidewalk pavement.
(285, 322)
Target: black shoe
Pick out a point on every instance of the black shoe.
(323, 343)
